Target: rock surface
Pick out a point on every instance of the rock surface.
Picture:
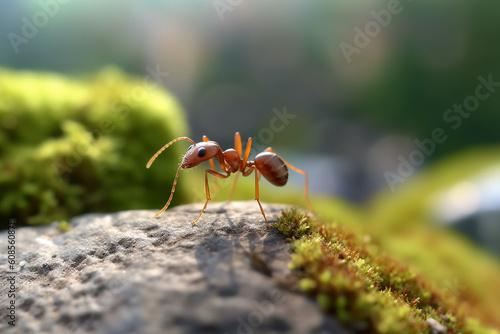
(130, 272)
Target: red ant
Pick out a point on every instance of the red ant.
(268, 163)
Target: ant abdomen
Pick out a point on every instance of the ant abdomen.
(272, 167)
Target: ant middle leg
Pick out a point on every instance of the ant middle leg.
(239, 150)
(237, 144)
(244, 159)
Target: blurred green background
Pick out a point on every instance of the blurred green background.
(346, 90)
(361, 81)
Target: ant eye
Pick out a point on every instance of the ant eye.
(202, 152)
(190, 147)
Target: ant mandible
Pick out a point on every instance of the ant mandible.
(268, 163)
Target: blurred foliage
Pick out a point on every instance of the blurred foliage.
(415, 199)
(231, 74)
(437, 65)
(71, 146)
(427, 59)
(352, 278)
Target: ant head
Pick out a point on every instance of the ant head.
(198, 153)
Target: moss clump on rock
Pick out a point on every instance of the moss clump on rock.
(368, 291)
(69, 146)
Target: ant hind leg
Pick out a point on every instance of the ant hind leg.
(257, 176)
(306, 187)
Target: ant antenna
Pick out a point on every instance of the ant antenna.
(164, 147)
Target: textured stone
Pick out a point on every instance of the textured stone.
(129, 272)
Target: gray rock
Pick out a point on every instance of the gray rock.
(130, 272)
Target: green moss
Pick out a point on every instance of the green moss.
(69, 146)
(64, 226)
(353, 279)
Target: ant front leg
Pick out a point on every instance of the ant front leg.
(248, 172)
(306, 187)
(207, 189)
(212, 166)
